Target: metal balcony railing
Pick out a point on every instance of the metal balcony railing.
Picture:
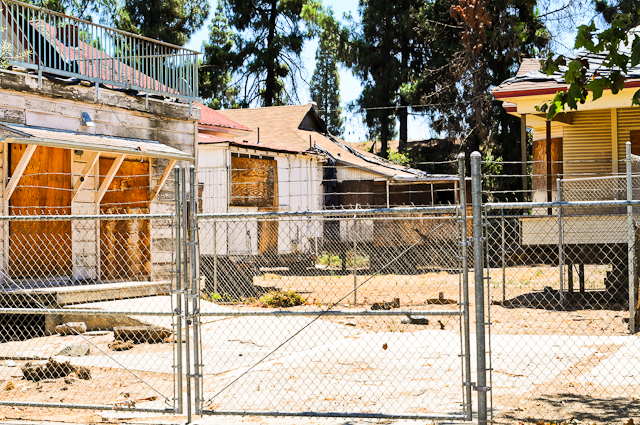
(54, 43)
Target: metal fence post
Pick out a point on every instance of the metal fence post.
(195, 287)
(465, 286)
(631, 242)
(478, 272)
(560, 245)
(185, 247)
(178, 289)
(353, 261)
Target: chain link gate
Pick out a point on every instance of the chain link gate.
(343, 313)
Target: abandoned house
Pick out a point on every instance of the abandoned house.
(282, 159)
(583, 151)
(92, 121)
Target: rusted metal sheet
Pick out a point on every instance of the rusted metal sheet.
(125, 244)
(39, 249)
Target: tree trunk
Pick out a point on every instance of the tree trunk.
(384, 135)
(270, 83)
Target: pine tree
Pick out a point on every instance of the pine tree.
(171, 21)
(325, 83)
(268, 36)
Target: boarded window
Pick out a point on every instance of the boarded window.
(41, 248)
(254, 182)
(634, 138)
(540, 181)
(358, 192)
(125, 244)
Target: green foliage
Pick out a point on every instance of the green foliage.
(325, 81)
(281, 299)
(262, 44)
(171, 21)
(618, 47)
(84, 9)
(398, 157)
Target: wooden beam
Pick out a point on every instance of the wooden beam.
(163, 179)
(93, 159)
(109, 178)
(614, 141)
(19, 171)
(523, 155)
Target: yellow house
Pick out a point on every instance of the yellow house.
(584, 143)
(585, 149)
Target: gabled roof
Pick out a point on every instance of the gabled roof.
(300, 129)
(214, 118)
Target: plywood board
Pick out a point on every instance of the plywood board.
(601, 229)
(253, 182)
(125, 244)
(39, 249)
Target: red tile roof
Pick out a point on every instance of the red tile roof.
(212, 117)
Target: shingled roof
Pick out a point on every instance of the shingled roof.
(530, 80)
(300, 129)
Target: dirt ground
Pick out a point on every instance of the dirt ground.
(530, 308)
(531, 300)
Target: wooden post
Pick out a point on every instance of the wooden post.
(549, 176)
(523, 155)
(581, 277)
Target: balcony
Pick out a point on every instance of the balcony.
(60, 45)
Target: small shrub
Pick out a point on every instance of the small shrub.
(281, 299)
(329, 260)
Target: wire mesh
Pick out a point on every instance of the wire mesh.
(559, 304)
(353, 314)
(87, 283)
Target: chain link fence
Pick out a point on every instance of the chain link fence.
(88, 293)
(561, 290)
(339, 313)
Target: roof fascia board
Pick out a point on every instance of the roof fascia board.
(93, 148)
(230, 130)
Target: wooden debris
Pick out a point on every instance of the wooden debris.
(141, 334)
(53, 370)
(71, 328)
(118, 345)
(9, 386)
(441, 300)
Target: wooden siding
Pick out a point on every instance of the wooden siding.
(39, 249)
(125, 244)
(582, 230)
(628, 120)
(587, 144)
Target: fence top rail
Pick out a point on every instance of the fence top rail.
(563, 204)
(334, 213)
(55, 217)
(93, 24)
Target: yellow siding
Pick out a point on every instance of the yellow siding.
(540, 133)
(628, 119)
(587, 144)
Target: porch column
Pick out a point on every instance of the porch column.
(549, 175)
(523, 154)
